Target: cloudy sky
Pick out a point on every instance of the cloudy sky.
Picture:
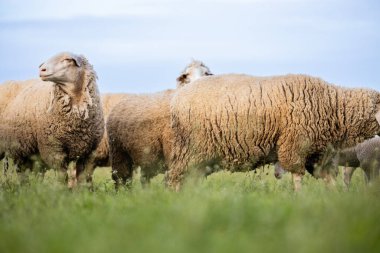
(142, 45)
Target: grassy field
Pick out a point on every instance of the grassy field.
(240, 212)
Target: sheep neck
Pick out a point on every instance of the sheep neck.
(79, 99)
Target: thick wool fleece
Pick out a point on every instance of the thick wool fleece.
(42, 120)
(140, 135)
(240, 119)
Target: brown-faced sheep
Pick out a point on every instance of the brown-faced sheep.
(241, 119)
(139, 130)
(58, 119)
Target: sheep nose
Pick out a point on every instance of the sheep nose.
(42, 67)
(43, 70)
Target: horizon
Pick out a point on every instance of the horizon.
(142, 46)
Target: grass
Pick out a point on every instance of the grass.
(239, 212)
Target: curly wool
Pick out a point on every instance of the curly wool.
(253, 120)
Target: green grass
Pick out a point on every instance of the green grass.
(239, 212)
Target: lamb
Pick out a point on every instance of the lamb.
(139, 130)
(256, 120)
(365, 155)
(368, 156)
(58, 120)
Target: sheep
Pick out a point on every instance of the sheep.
(368, 155)
(139, 130)
(57, 119)
(365, 155)
(240, 119)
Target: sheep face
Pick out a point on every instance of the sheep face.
(63, 69)
(192, 72)
(278, 171)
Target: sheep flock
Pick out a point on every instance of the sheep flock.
(234, 122)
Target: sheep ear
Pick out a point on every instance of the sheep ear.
(77, 60)
(182, 78)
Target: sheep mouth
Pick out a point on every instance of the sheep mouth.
(45, 76)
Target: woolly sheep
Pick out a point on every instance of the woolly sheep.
(241, 119)
(58, 119)
(139, 130)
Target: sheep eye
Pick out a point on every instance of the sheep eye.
(68, 60)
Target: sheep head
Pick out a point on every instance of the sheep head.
(64, 69)
(278, 171)
(72, 74)
(192, 72)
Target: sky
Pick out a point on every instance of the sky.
(141, 46)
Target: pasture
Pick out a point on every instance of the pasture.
(227, 212)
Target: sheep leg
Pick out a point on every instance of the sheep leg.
(38, 167)
(89, 167)
(84, 171)
(176, 174)
(146, 175)
(21, 166)
(174, 178)
(295, 161)
(297, 181)
(72, 175)
(56, 160)
(148, 171)
(122, 168)
(347, 175)
(5, 166)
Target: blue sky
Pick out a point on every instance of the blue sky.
(142, 45)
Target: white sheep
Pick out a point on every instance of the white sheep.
(58, 119)
(240, 119)
(139, 130)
